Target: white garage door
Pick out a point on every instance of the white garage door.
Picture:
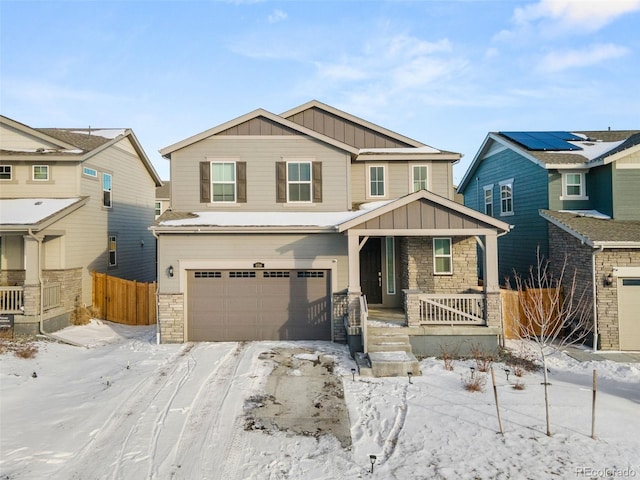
(629, 313)
(239, 305)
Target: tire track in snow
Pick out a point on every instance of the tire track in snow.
(123, 421)
(391, 441)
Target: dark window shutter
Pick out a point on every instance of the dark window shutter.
(281, 182)
(205, 182)
(241, 182)
(317, 182)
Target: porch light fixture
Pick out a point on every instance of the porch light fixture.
(372, 459)
(609, 280)
(170, 271)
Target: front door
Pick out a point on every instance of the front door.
(371, 270)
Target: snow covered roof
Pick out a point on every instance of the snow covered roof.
(425, 149)
(28, 212)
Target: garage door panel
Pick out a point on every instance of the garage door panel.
(628, 317)
(258, 305)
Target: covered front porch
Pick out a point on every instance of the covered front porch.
(426, 296)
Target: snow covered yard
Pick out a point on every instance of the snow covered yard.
(126, 408)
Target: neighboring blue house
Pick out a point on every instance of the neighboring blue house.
(574, 194)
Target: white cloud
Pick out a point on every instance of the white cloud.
(574, 15)
(277, 16)
(593, 55)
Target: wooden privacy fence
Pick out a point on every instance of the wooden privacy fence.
(514, 319)
(124, 301)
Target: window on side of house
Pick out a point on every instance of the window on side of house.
(5, 172)
(90, 172)
(376, 181)
(107, 187)
(419, 174)
(442, 257)
(506, 197)
(113, 247)
(488, 200)
(573, 186)
(299, 182)
(158, 209)
(40, 172)
(223, 182)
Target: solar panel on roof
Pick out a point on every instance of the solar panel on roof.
(545, 141)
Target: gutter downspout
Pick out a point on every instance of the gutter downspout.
(41, 314)
(595, 296)
(153, 232)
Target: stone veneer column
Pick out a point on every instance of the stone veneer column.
(412, 306)
(171, 317)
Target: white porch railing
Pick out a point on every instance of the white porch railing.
(11, 299)
(455, 309)
(364, 313)
(51, 295)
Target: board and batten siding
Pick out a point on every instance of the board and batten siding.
(626, 194)
(248, 249)
(261, 155)
(398, 175)
(517, 249)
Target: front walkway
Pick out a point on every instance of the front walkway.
(588, 355)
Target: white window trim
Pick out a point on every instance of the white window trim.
(385, 183)
(310, 181)
(235, 180)
(505, 183)
(582, 195)
(115, 251)
(412, 181)
(33, 173)
(105, 190)
(449, 256)
(10, 167)
(485, 189)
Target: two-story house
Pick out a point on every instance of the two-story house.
(281, 225)
(72, 201)
(573, 195)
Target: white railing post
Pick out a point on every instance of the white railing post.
(11, 299)
(364, 313)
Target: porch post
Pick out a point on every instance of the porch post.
(354, 263)
(31, 261)
(491, 283)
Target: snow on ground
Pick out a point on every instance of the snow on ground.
(126, 408)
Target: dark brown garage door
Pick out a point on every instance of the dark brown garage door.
(237, 305)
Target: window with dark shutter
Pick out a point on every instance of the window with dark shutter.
(205, 182)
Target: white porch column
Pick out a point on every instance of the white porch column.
(354, 263)
(491, 282)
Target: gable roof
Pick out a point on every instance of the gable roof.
(596, 231)
(78, 144)
(303, 120)
(593, 149)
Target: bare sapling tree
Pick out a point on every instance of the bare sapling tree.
(555, 312)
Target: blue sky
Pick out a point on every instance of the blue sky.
(442, 72)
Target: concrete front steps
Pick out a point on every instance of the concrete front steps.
(389, 354)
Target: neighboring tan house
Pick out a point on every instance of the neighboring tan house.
(163, 197)
(72, 201)
(573, 194)
(280, 224)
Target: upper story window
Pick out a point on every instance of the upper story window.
(90, 172)
(158, 209)
(488, 200)
(5, 172)
(299, 181)
(223, 182)
(419, 173)
(376, 182)
(506, 197)
(573, 186)
(40, 172)
(107, 186)
(442, 257)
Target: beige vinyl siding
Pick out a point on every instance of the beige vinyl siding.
(261, 155)
(398, 176)
(20, 140)
(62, 181)
(249, 248)
(12, 252)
